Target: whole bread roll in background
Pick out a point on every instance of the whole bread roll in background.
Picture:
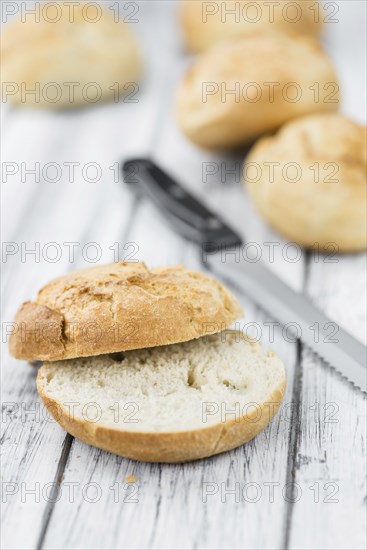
(82, 58)
(309, 182)
(207, 23)
(245, 87)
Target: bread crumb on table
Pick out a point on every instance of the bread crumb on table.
(131, 478)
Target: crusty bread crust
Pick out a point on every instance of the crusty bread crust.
(167, 447)
(324, 209)
(170, 447)
(203, 26)
(224, 101)
(119, 307)
(47, 55)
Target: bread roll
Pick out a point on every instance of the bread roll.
(207, 23)
(81, 58)
(169, 404)
(248, 86)
(315, 194)
(117, 307)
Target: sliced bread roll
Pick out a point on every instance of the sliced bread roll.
(117, 307)
(167, 404)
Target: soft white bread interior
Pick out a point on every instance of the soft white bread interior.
(167, 404)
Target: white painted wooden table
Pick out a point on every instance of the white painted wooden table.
(301, 483)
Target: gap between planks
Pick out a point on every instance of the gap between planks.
(293, 444)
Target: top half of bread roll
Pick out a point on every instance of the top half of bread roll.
(117, 307)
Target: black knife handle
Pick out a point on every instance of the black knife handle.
(188, 216)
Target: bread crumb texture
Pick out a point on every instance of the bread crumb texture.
(167, 404)
(170, 387)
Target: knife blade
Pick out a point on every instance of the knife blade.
(221, 252)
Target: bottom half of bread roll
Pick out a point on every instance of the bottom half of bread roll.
(172, 403)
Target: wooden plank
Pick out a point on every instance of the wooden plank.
(330, 449)
(330, 461)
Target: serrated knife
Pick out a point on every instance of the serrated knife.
(221, 250)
